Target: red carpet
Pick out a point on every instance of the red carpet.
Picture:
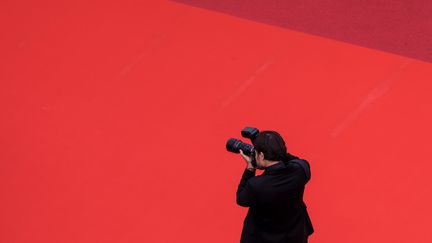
(115, 118)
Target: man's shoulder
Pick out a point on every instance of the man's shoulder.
(256, 180)
(295, 165)
(259, 180)
(300, 169)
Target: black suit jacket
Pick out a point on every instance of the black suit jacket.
(276, 212)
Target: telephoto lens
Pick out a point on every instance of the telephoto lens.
(234, 145)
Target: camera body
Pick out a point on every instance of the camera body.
(235, 145)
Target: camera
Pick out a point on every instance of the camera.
(235, 145)
(250, 132)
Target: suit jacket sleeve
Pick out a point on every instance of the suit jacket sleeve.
(244, 190)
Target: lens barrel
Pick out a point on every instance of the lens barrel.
(234, 145)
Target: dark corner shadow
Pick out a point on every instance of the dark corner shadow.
(397, 26)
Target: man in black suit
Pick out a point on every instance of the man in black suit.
(277, 213)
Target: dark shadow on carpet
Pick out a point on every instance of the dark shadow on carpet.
(398, 26)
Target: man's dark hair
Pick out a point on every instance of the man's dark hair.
(272, 145)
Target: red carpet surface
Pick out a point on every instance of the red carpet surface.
(115, 117)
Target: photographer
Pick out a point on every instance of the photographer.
(276, 212)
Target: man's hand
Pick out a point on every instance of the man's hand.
(248, 160)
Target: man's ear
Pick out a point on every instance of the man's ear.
(261, 154)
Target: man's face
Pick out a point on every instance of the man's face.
(259, 157)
